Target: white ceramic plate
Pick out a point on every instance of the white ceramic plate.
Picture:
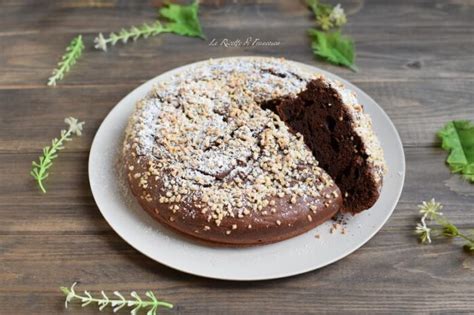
(291, 257)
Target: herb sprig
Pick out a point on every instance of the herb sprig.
(179, 19)
(431, 213)
(327, 42)
(333, 47)
(45, 161)
(73, 52)
(137, 303)
(145, 30)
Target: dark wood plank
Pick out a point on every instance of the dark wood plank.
(417, 108)
(416, 62)
(107, 263)
(69, 193)
(407, 47)
(65, 239)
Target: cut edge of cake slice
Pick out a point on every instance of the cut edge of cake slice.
(340, 135)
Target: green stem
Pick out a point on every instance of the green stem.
(71, 57)
(51, 151)
(466, 238)
(40, 184)
(129, 303)
(144, 30)
(442, 221)
(153, 304)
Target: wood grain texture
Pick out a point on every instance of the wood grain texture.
(416, 61)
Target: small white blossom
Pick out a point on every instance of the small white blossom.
(74, 125)
(423, 232)
(100, 42)
(338, 16)
(430, 209)
(70, 294)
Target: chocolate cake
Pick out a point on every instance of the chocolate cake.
(340, 136)
(251, 151)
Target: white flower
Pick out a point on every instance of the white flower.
(74, 125)
(424, 232)
(70, 294)
(430, 209)
(100, 42)
(338, 16)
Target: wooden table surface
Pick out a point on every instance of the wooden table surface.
(416, 59)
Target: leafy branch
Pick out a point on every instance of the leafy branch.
(431, 213)
(45, 161)
(180, 19)
(73, 52)
(327, 42)
(333, 47)
(145, 30)
(137, 303)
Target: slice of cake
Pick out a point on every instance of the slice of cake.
(250, 151)
(339, 133)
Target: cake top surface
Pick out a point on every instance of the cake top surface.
(204, 134)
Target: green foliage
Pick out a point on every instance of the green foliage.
(145, 30)
(45, 161)
(457, 137)
(118, 302)
(73, 52)
(333, 47)
(183, 20)
(328, 43)
(179, 19)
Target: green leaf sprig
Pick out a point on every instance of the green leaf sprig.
(45, 161)
(333, 47)
(137, 303)
(73, 52)
(431, 213)
(457, 137)
(328, 43)
(179, 19)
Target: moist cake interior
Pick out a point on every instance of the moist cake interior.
(319, 115)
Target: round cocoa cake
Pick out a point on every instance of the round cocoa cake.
(251, 151)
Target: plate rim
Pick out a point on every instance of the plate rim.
(280, 275)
